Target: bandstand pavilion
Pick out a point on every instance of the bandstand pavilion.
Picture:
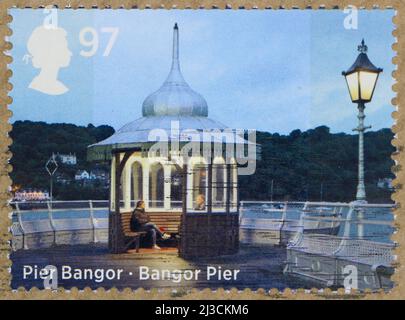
(189, 182)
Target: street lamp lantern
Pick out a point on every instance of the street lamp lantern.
(361, 79)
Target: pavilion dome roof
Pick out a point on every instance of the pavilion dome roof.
(175, 97)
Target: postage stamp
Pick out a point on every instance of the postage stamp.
(202, 149)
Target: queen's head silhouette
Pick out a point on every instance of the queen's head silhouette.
(48, 47)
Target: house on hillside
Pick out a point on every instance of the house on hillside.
(98, 174)
(82, 175)
(69, 159)
(385, 183)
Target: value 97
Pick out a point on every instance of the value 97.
(89, 37)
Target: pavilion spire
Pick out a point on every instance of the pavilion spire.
(175, 58)
(175, 75)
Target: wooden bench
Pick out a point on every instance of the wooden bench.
(168, 222)
(130, 236)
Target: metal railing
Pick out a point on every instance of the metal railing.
(363, 244)
(55, 205)
(34, 217)
(356, 246)
(56, 217)
(290, 216)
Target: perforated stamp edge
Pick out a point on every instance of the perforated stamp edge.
(398, 292)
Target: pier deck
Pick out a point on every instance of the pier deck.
(260, 267)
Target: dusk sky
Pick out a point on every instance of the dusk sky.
(269, 70)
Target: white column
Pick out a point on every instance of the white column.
(235, 185)
(224, 186)
(189, 186)
(112, 185)
(145, 183)
(167, 186)
(126, 185)
(213, 182)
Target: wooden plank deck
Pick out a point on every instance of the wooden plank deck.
(260, 267)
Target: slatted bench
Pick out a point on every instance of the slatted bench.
(168, 222)
(130, 236)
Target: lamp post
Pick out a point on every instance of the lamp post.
(361, 79)
(51, 166)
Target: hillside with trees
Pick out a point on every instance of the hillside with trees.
(316, 165)
(310, 165)
(34, 143)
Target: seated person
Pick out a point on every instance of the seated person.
(140, 221)
(200, 202)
